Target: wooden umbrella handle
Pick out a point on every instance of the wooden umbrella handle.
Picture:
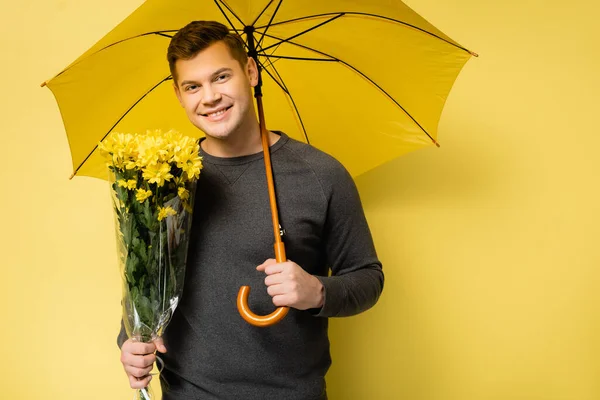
(254, 319)
(242, 299)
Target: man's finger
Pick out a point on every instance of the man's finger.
(268, 262)
(138, 361)
(274, 279)
(139, 348)
(160, 346)
(281, 300)
(138, 373)
(136, 383)
(276, 290)
(275, 268)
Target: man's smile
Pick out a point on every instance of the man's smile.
(217, 112)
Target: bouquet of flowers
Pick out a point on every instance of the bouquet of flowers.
(153, 179)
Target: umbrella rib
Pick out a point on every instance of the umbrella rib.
(367, 78)
(301, 33)
(265, 54)
(119, 120)
(231, 11)
(303, 58)
(158, 33)
(280, 84)
(270, 21)
(287, 91)
(260, 51)
(226, 17)
(263, 11)
(371, 15)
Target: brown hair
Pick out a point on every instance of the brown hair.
(197, 36)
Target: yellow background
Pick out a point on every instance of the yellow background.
(489, 243)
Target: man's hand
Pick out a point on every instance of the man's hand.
(137, 359)
(291, 286)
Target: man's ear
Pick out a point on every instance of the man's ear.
(177, 93)
(252, 70)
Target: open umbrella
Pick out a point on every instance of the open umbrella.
(372, 72)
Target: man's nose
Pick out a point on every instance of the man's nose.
(210, 95)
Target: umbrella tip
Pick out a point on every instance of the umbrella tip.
(474, 54)
(435, 142)
(72, 176)
(43, 84)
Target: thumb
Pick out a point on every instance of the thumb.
(160, 346)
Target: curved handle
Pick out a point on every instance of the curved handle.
(254, 319)
(242, 299)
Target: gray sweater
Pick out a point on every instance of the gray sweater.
(212, 352)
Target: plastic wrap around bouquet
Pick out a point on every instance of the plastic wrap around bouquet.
(153, 179)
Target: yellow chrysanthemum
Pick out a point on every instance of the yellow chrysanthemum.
(141, 195)
(153, 153)
(183, 193)
(120, 148)
(131, 163)
(164, 212)
(130, 184)
(118, 162)
(173, 141)
(187, 207)
(149, 151)
(179, 180)
(192, 168)
(182, 144)
(105, 148)
(157, 173)
(189, 161)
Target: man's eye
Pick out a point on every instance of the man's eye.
(222, 77)
(190, 87)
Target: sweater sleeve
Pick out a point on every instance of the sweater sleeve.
(122, 337)
(356, 279)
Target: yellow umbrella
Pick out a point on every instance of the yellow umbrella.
(371, 74)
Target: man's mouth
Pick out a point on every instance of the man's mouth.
(217, 113)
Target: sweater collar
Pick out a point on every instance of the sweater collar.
(244, 159)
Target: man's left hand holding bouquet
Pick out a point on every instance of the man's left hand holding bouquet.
(138, 359)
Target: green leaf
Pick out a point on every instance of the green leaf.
(122, 194)
(144, 309)
(140, 250)
(148, 216)
(127, 230)
(131, 267)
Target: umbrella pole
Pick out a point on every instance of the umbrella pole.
(242, 299)
(264, 133)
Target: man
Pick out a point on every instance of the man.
(212, 352)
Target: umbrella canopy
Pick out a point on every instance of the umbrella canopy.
(363, 80)
(369, 73)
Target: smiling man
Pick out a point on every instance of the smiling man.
(332, 271)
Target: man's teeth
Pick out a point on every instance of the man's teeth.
(217, 113)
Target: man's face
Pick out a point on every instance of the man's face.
(216, 92)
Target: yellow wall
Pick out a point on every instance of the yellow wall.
(489, 243)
